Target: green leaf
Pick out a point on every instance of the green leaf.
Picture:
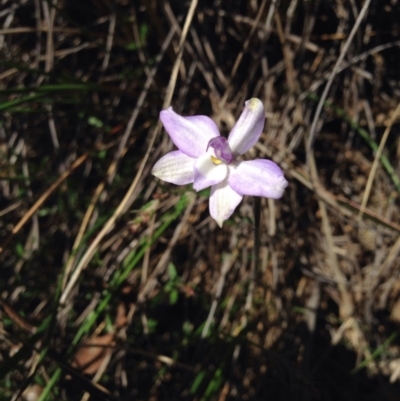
(173, 297)
(19, 249)
(197, 382)
(172, 273)
(95, 122)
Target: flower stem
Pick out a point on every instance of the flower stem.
(256, 252)
(257, 224)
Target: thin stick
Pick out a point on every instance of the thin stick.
(256, 252)
(121, 207)
(374, 167)
(48, 192)
(346, 306)
(175, 69)
(242, 52)
(120, 152)
(166, 255)
(334, 72)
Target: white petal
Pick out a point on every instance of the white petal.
(248, 128)
(206, 173)
(189, 134)
(258, 177)
(175, 167)
(223, 202)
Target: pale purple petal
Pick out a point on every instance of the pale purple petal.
(221, 148)
(223, 202)
(175, 167)
(206, 173)
(189, 134)
(258, 178)
(248, 128)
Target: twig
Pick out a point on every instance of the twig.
(240, 55)
(121, 207)
(48, 192)
(165, 257)
(346, 306)
(256, 252)
(374, 167)
(334, 72)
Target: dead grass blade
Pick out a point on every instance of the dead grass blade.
(374, 167)
(128, 196)
(46, 195)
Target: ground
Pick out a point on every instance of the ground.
(116, 285)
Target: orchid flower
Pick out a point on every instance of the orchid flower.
(207, 159)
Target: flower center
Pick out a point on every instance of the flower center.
(215, 160)
(222, 150)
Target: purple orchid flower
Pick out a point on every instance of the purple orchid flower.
(205, 158)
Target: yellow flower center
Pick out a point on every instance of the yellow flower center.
(215, 160)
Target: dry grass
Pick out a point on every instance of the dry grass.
(118, 286)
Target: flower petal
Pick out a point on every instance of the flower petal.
(223, 202)
(206, 173)
(189, 134)
(258, 177)
(175, 167)
(248, 128)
